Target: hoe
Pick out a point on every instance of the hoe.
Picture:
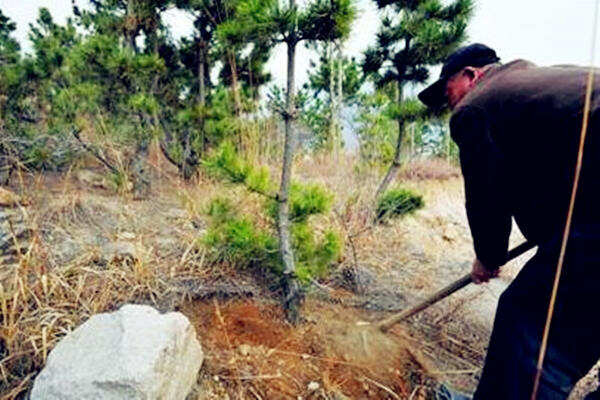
(387, 323)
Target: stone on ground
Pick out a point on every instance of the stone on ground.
(133, 353)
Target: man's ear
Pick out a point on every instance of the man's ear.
(471, 72)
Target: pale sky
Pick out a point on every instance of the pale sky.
(544, 31)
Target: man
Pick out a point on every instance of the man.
(518, 128)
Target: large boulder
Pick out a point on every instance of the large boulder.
(133, 353)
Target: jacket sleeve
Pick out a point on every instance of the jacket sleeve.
(486, 186)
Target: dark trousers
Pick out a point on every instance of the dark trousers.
(574, 341)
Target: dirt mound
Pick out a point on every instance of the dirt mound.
(252, 352)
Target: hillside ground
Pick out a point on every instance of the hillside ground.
(85, 249)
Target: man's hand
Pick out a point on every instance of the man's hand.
(480, 274)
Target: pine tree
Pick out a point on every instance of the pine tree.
(9, 47)
(127, 18)
(320, 20)
(414, 35)
(9, 83)
(334, 81)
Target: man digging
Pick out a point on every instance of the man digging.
(518, 129)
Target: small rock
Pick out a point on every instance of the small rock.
(450, 233)
(132, 354)
(313, 386)
(126, 235)
(244, 350)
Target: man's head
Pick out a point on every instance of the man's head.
(461, 71)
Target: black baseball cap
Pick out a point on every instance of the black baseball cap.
(474, 55)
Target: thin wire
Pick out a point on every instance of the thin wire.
(559, 267)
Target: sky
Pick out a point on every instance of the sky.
(546, 32)
(543, 31)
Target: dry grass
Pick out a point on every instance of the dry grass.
(61, 277)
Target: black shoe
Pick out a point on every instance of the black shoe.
(445, 393)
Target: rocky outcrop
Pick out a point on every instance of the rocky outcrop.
(134, 353)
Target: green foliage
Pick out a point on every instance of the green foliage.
(277, 22)
(397, 202)
(305, 200)
(377, 129)
(237, 240)
(224, 162)
(314, 257)
(416, 35)
(410, 110)
(327, 20)
(9, 47)
(413, 36)
(142, 102)
(119, 181)
(320, 74)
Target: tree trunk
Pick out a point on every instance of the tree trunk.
(393, 170)
(237, 103)
(291, 286)
(140, 171)
(340, 93)
(332, 99)
(130, 31)
(187, 164)
(202, 90)
(234, 83)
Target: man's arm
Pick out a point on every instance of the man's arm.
(486, 189)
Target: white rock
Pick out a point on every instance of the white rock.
(313, 386)
(134, 353)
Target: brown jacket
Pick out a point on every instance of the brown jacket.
(518, 133)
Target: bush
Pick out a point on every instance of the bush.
(397, 202)
(236, 239)
(314, 257)
(225, 163)
(305, 200)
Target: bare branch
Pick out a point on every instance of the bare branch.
(94, 152)
(165, 152)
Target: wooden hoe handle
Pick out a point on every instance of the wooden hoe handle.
(387, 323)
